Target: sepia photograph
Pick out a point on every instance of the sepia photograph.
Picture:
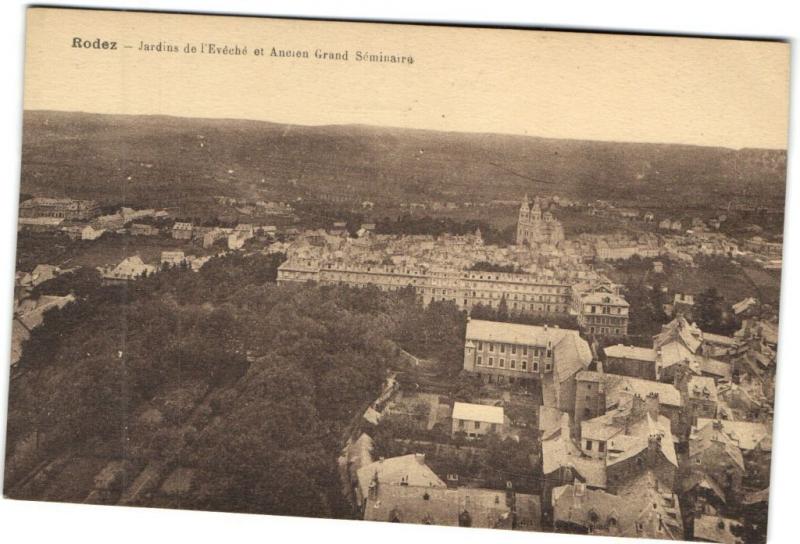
(476, 277)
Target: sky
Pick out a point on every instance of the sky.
(732, 93)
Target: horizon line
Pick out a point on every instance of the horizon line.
(394, 127)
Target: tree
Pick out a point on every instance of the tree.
(708, 310)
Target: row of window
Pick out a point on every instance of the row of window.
(606, 310)
(476, 425)
(512, 364)
(512, 348)
(604, 330)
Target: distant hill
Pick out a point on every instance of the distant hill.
(155, 159)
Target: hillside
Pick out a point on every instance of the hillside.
(166, 160)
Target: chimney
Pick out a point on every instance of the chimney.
(599, 366)
(637, 405)
(373, 487)
(653, 447)
(652, 405)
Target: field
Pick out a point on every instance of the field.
(170, 162)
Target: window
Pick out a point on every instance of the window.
(535, 366)
(548, 367)
(524, 350)
(480, 361)
(588, 445)
(513, 363)
(513, 349)
(601, 447)
(491, 347)
(502, 348)
(480, 346)
(502, 363)
(477, 425)
(491, 361)
(524, 365)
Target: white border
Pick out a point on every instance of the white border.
(34, 522)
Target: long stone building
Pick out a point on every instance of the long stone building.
(523, 293)
(61, 208)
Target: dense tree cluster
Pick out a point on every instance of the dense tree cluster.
(502, 313)
(251, 384)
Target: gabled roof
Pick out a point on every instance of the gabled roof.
(679, 330)
(748, 435)
(410, 469)
(704, 438)
(715, 529)
(640, 509)
(627, 431)
(572, 354)
(561, 452)
(604, 298)
(619, 389)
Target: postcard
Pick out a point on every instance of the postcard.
(477, 277)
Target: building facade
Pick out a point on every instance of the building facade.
(62, 208)
(537, 227)
(529, 355)
(522, 293)
(476, 420)
(601, 312)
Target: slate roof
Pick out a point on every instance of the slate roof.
(703, 438)
(619, 389)
(439, 506)
(561, 451)
(409, 468)
(748, 435)
(640, 509)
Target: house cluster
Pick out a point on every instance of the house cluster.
(670, 442)
(234, 237)
(133, 268)
(405, 490)
(617, 448)
(447, 269)
(82, 219)
(245, 206)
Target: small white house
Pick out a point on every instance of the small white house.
(477, 419)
